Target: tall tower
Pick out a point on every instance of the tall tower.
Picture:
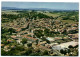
(32, 33)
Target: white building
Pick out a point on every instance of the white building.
(50, 39)
(64, 45)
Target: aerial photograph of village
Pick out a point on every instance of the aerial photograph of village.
(39, 28)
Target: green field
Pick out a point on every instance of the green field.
(10, 12)
(53, 15)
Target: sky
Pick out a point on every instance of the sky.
(49, 5)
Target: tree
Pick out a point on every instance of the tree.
(37, 41)
(44, 39)
(11, 30)
(45, 52)
(70, 46)
(28, 51)
(38, 33)
(3, 53)
(20, 48)
(61, 51)
(29, 44)
(4, 30)
(24, 40)
(68, 51)
(5, 42)
(46, 31)
(76, 46)
(64, 32)
(34, 54)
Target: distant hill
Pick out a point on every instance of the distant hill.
(14, 8)
(10, 8)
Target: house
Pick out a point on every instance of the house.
(42, 43)
(9, 40)
(65, 37)
(74, 28)
(53, 44)
(57, 48)
(18, 29)
(2, 45)
(34, 44)
(6, 48)
(19, 41)
(30, 38)
(48, 46)
(57, 38)
(26, 45)
(74, 36)
(43, 48)
(14, 37)
(50, 39)
(12, 46)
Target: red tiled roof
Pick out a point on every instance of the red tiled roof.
(2, 44)
(18, 29)
(13, 36)
(29, 37)
(9, 40)
(57, 38)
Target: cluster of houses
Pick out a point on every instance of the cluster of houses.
(53, 25)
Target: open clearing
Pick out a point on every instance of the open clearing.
(53, 15)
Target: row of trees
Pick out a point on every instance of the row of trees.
(33, 15)
(71, 51)
(26, 14)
